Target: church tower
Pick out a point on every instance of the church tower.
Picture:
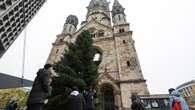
(99, 10)
(119, 67)
(62, 39)
(131, 78)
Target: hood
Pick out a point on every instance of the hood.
(135, 98)
(175, 93)
(41, 72)
(74, 93)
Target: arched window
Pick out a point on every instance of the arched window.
(121, 30)
(92, 35)
(57, 51)
(70, 28)
(128, 63)
(96, 57)
(119, 17)
(92, 32)
(101, 33)
(61, 39)
(124, 41)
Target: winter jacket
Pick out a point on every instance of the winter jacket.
(10, 106)
(177, 97)
(176, 105)
(41, 88)
(170, 101)
(76, 101)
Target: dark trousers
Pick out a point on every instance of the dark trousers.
(37, 106)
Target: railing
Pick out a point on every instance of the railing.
(155, 102)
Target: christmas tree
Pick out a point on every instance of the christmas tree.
(76, 68)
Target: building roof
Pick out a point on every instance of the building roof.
(192, 82)
(72, 19)
(117, 8)
(99, 4)
(8, 81)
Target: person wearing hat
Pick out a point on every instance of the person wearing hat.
(76, 100)
(41, 88)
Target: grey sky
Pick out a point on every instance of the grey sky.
(163, 31)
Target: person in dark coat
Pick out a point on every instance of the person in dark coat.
(136, 103)
(10, 105)
(41, 88)
(15, 107)
(76, 100)
(90, 96)
(170, 98)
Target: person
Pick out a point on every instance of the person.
(41, 88)
(76, 101)
(170, 98)
(136, 103)
(15, 106)
(178, 102)
(10, 105)
(90, 96)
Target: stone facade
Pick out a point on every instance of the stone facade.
(119, 68)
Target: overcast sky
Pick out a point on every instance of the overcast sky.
(163, 31)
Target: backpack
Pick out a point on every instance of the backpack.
(176, 105)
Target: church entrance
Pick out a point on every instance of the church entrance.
(107, 97)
